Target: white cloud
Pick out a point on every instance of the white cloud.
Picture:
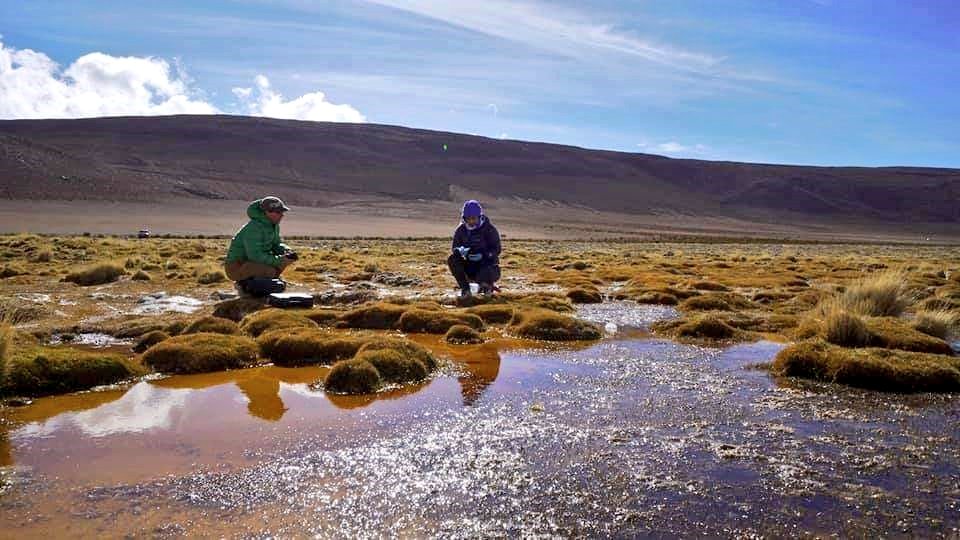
(263, 100)
(676, 149)
(32, 85)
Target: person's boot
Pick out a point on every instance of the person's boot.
(241, 288)
(485, 289)
(465, 292)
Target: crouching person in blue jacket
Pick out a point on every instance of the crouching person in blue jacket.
(476, 251)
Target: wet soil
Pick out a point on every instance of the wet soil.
(629, 436)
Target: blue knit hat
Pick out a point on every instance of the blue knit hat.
(472, 208)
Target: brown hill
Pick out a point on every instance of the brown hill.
(318, 164)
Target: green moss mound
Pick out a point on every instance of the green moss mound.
(393, 366)
(304, 346)
(462, 335)
(871, 368)
(213, 325)
(238, 308)
(352, 377)
(58, 370)
(380, 316)
(548, 301)
(97, 274)
(715, 302)
(656, 297)
(405, 347)
(200, 353)
(323, 317)
(149, 340)
(421, 321)
(547, 325)
(266, 320)
(585, 295)
(493, 313)
(706, 327)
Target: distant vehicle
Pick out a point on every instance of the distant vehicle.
(143, 233)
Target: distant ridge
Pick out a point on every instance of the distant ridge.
(233, 157)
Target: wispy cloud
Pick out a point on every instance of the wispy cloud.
(561, 31)
(676, 149)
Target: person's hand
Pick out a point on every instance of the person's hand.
(475, 257)
(463, 251)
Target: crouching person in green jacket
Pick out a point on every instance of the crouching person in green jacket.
(256, 250)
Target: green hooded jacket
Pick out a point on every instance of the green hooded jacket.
(258, 240)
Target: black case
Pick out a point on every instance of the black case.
(285, 300)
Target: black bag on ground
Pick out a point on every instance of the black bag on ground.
(260, 287)
(285, 300)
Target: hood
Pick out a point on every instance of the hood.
(256, 213)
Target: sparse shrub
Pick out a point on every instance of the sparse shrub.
(352, 377)
(209, 275)
(462, 335)
(97, 274)
(550, 326)
(238, 308)
(213, 325)
(420, 321)
(877, 369)
(378, 316)
(265, 320)
(199, 353)
(57, 370)
(149, 340)
(132, 263)
(493, 313)
(842, 328)
(938, 323)
(140, 275)
(371, 268)
(585, 295)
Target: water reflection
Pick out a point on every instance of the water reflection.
(482, 365)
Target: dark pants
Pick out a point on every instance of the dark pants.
(465, 271)
(241, 270)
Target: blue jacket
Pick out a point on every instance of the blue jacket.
(485, 239)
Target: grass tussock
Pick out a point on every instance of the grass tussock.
(880, 295)
(266, 320)
(845, 329)
(716, 302)
(58, 370)
(201, 353)
(352, 377)
(709, 286)
(323, 317)
(894, 333)
(213, 325)
(871, 368)
(379, 316)
(420, 321)
(547, 325)
(149, 340)
(140, 275)
(14, 312)
(97, 274)
(938, 323)
(462, 335)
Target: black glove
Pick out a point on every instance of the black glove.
(292, 255)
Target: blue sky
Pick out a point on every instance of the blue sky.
(831, 82)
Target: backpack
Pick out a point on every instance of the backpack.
(261, 287)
